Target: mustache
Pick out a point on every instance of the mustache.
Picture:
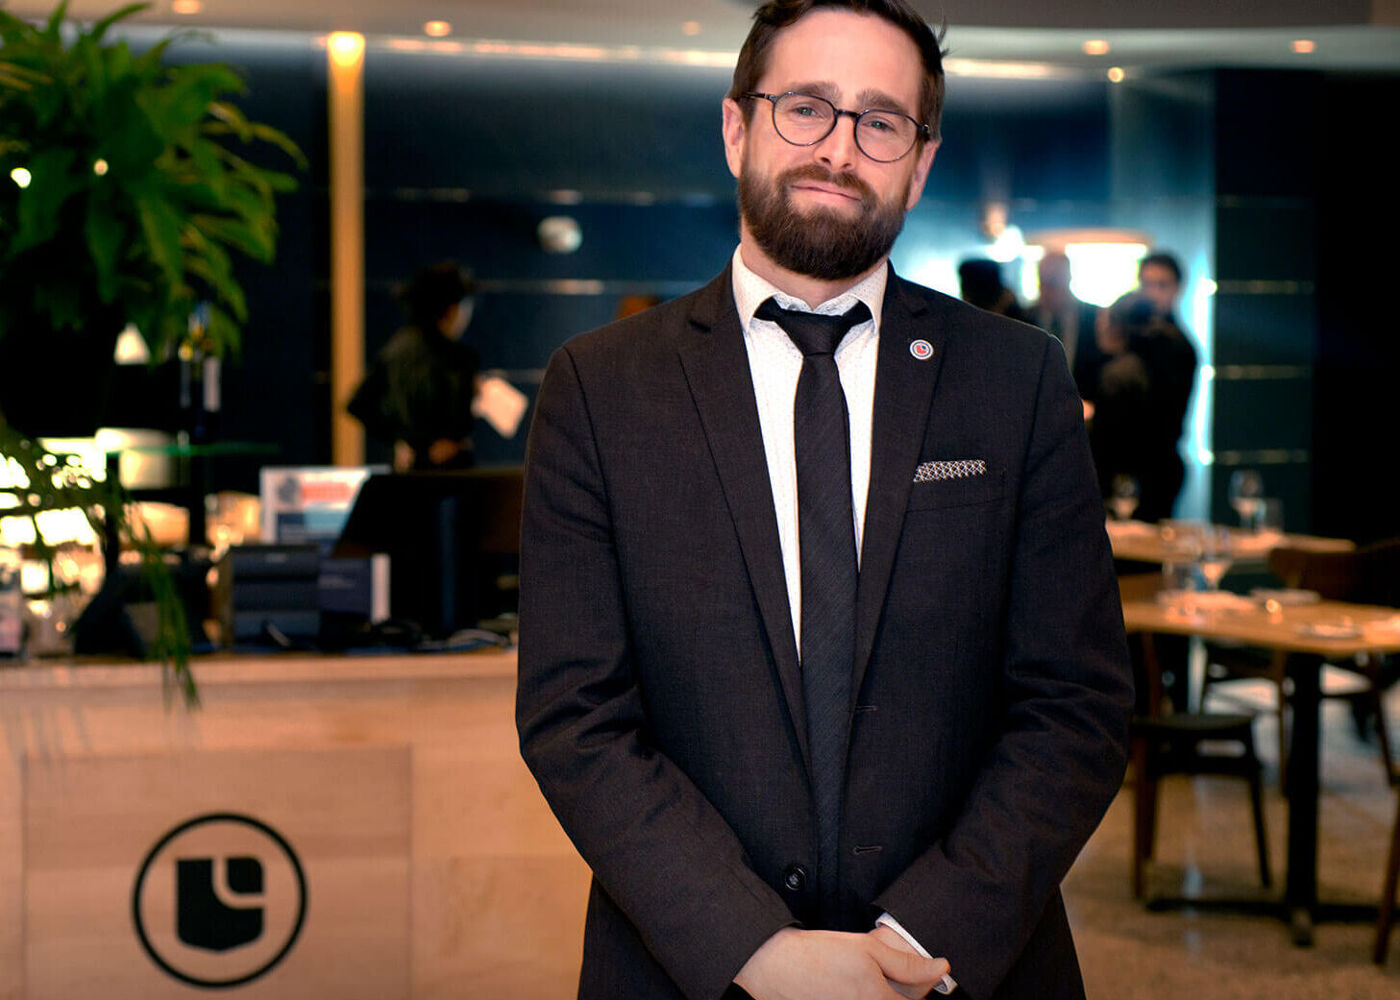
(816, 172)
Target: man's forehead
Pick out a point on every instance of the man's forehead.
(846, 57)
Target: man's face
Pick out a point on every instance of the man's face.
(1160, 287)
(828, 211)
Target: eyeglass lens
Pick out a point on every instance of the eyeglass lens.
(805, 120)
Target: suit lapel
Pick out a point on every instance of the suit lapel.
(716, 368)
(903, 395)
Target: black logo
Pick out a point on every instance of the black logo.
(219, 900)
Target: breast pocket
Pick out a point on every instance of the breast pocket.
(983, 488)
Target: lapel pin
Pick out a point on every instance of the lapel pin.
(922, 350)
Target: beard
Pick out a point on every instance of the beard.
(820, 243)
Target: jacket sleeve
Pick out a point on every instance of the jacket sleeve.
(1058, 755)
(656, 845)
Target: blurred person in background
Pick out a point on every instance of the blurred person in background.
(418, 394)
(1144, 391)
(981, 285)
(1159, 280)
(1069, 320)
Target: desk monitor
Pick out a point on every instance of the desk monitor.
(449, 535)
(303, 504)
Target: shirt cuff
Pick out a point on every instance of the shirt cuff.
(948, 984)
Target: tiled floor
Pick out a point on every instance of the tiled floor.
(1205, 847)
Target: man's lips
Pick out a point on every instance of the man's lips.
(830, 190)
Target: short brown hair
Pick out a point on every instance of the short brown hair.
(776, 15)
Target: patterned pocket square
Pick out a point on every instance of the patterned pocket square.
(933, 472)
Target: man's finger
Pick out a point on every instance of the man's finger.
(909, 967)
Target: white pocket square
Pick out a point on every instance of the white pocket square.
(933, 472)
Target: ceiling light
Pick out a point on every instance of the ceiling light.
(347, 47)
(1096, 47)
(187, 6)
(21, 176)
(1304, 45)
(691, 27)
(1116, 74)
(437, 29)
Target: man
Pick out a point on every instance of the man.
(676, 633)
(1072, 322)
(1159, 278)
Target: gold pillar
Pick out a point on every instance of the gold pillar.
(346, 50)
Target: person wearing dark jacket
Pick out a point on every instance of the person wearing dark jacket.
(418, 393)
(1144, 392)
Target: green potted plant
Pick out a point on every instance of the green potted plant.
(125, 195)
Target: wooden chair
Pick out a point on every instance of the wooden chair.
(1387, 907)
(1185, 743)
(1368, 575)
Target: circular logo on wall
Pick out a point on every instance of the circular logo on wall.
(219, 900)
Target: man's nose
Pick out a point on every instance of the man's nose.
(839, 150)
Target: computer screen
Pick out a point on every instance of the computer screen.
(450, 537)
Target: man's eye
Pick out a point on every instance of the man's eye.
(807, 109)
(880, 123)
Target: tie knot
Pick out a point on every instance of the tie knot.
(813, 333)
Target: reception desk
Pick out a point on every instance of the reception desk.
(321, 827)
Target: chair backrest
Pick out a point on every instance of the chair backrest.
(1368, 575)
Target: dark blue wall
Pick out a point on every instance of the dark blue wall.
(465, 156)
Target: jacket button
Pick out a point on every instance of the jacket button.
(794, 878)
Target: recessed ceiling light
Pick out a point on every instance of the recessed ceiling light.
(1096, 47)
(437, 29)
(346, 47)
(1116, 74)
(1304, 46)
(187, 6)
(691, 27)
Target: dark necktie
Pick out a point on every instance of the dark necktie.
(826, 541)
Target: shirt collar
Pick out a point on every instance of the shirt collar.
(751, 290)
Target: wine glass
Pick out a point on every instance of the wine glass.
(1123, 496)
(1216, 556)
(1246, 490)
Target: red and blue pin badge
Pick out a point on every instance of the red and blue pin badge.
(922, 350)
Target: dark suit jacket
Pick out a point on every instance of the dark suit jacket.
(660, 703)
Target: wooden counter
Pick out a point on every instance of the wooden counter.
(365, 825)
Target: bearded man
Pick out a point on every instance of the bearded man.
(821, 661)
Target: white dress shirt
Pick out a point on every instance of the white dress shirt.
(775, 363)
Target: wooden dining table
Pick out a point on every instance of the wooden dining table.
(1311, 633)
(1137, 541)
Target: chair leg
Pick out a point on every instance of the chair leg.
(1383, 735)
(1387, 907)
(1144, 814)
(1261, 842)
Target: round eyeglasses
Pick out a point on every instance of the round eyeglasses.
(805, 120)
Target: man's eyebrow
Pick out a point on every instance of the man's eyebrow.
(865, 99)
(817, 88)
(879, 99)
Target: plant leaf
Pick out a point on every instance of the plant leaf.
(105, 236)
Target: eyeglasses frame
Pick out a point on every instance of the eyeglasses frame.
(922, 131)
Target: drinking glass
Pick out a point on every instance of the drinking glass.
(1269, 519)
(1216, 557)
(1178, 594)
(1246, 490)
(1123, 496)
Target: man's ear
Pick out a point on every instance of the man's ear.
(735, 128)
(921, 169)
